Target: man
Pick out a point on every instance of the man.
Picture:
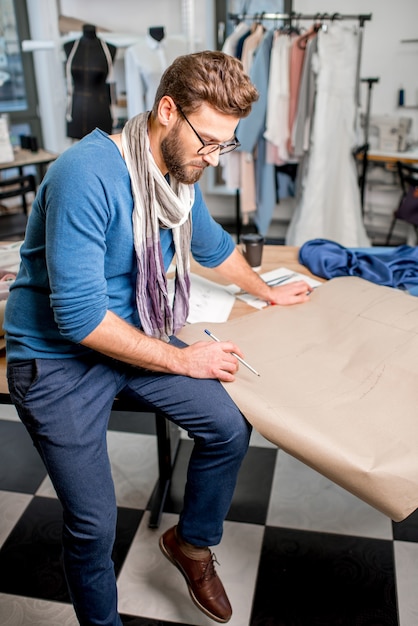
(88, 319)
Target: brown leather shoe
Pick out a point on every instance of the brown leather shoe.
(205, 587)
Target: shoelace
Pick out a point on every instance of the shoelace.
(209, 568)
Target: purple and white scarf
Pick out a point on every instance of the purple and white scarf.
(157, 205)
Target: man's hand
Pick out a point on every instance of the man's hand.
(236, 269)
(291, 293)
(205, 359)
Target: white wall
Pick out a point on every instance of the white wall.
(126, 16)
(135, 16)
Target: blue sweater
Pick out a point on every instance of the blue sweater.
(78, 258)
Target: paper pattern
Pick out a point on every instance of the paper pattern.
(338, 387)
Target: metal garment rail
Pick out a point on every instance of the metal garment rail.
(290, 17)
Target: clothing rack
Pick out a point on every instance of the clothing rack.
(290, 17)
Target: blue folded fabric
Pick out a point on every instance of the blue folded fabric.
(393, 267)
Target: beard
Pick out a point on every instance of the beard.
(171, 149)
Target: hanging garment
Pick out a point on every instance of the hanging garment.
(330, 206)
(250, 46)
(277, 122)
(250, 132)
(301, 128)
(230, 163)
(145, 63)
(230, 45)
(247, 183)
(284, 86)
(240, 44)
(296, 59)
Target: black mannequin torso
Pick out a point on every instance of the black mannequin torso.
(88, 67)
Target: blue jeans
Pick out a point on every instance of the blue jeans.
(65, 405)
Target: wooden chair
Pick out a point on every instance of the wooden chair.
(13, 224)
(18, 186)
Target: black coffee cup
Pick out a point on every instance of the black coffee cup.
(252, 249)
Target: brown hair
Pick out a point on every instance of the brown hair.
(213, 77)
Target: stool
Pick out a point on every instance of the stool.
(168, 439)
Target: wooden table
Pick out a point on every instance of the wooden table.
(23, 158)
(384, 159)
(381, 156)
(273, 257)
(167, 436)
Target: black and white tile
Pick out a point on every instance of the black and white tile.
(297, 549)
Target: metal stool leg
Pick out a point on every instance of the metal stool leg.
(168, 438)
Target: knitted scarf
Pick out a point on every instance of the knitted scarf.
(157, 204)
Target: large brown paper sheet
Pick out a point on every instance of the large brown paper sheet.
(339, 386)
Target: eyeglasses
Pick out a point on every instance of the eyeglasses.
(211, 146)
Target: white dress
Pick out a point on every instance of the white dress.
(277, 122)
(329, 204)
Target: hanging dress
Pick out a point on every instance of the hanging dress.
(329, 204)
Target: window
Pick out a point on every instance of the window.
(12, 81)
(18, 95)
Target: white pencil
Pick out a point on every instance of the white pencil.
(212, 336)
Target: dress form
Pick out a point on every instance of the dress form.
(145, 63)
(89, 63)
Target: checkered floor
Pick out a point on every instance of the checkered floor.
(297, 550)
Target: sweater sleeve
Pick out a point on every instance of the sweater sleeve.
(75, 224)
(79, 212)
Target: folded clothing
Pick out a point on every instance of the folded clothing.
(393, 267)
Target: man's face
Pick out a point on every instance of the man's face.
(180, 147)
(174, 155)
